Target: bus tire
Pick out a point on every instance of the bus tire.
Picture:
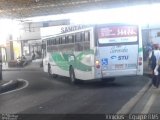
(73, 79)
(50, 72)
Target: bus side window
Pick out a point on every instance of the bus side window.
(83, 36)
(54, 41)
(60, 40)
(73, 38)
(67, 39)
(87, 39)
(57, 41)
(70, 39)
(50, 44)
(63, 39)
(47, 42)
(51, 41)
(79, 44)
(87, 36)
(78, 37)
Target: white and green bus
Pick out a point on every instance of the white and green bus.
(97, 52)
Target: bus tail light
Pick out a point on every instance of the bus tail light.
(140, 61)
(97, 64)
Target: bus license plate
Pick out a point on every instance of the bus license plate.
(119, 66)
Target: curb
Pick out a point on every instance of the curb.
(21, 69)
(10, 85)
(127, 108)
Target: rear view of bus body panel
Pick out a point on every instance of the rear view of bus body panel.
(120, 60)
(119, 50)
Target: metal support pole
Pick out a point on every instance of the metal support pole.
(0, 63)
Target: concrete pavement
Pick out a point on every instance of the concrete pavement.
(6, 85)
(35, 65)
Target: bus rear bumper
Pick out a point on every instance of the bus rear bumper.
(117, 73)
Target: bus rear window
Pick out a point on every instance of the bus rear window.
(117, 34)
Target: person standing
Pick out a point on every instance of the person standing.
(154, 58)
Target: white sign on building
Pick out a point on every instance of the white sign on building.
(50, 31)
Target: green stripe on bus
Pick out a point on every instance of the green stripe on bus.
(82, 54)
(140, 50)
(61, 60)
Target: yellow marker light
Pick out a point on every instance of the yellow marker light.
(97, 64)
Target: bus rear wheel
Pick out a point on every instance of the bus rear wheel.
(72, 75)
